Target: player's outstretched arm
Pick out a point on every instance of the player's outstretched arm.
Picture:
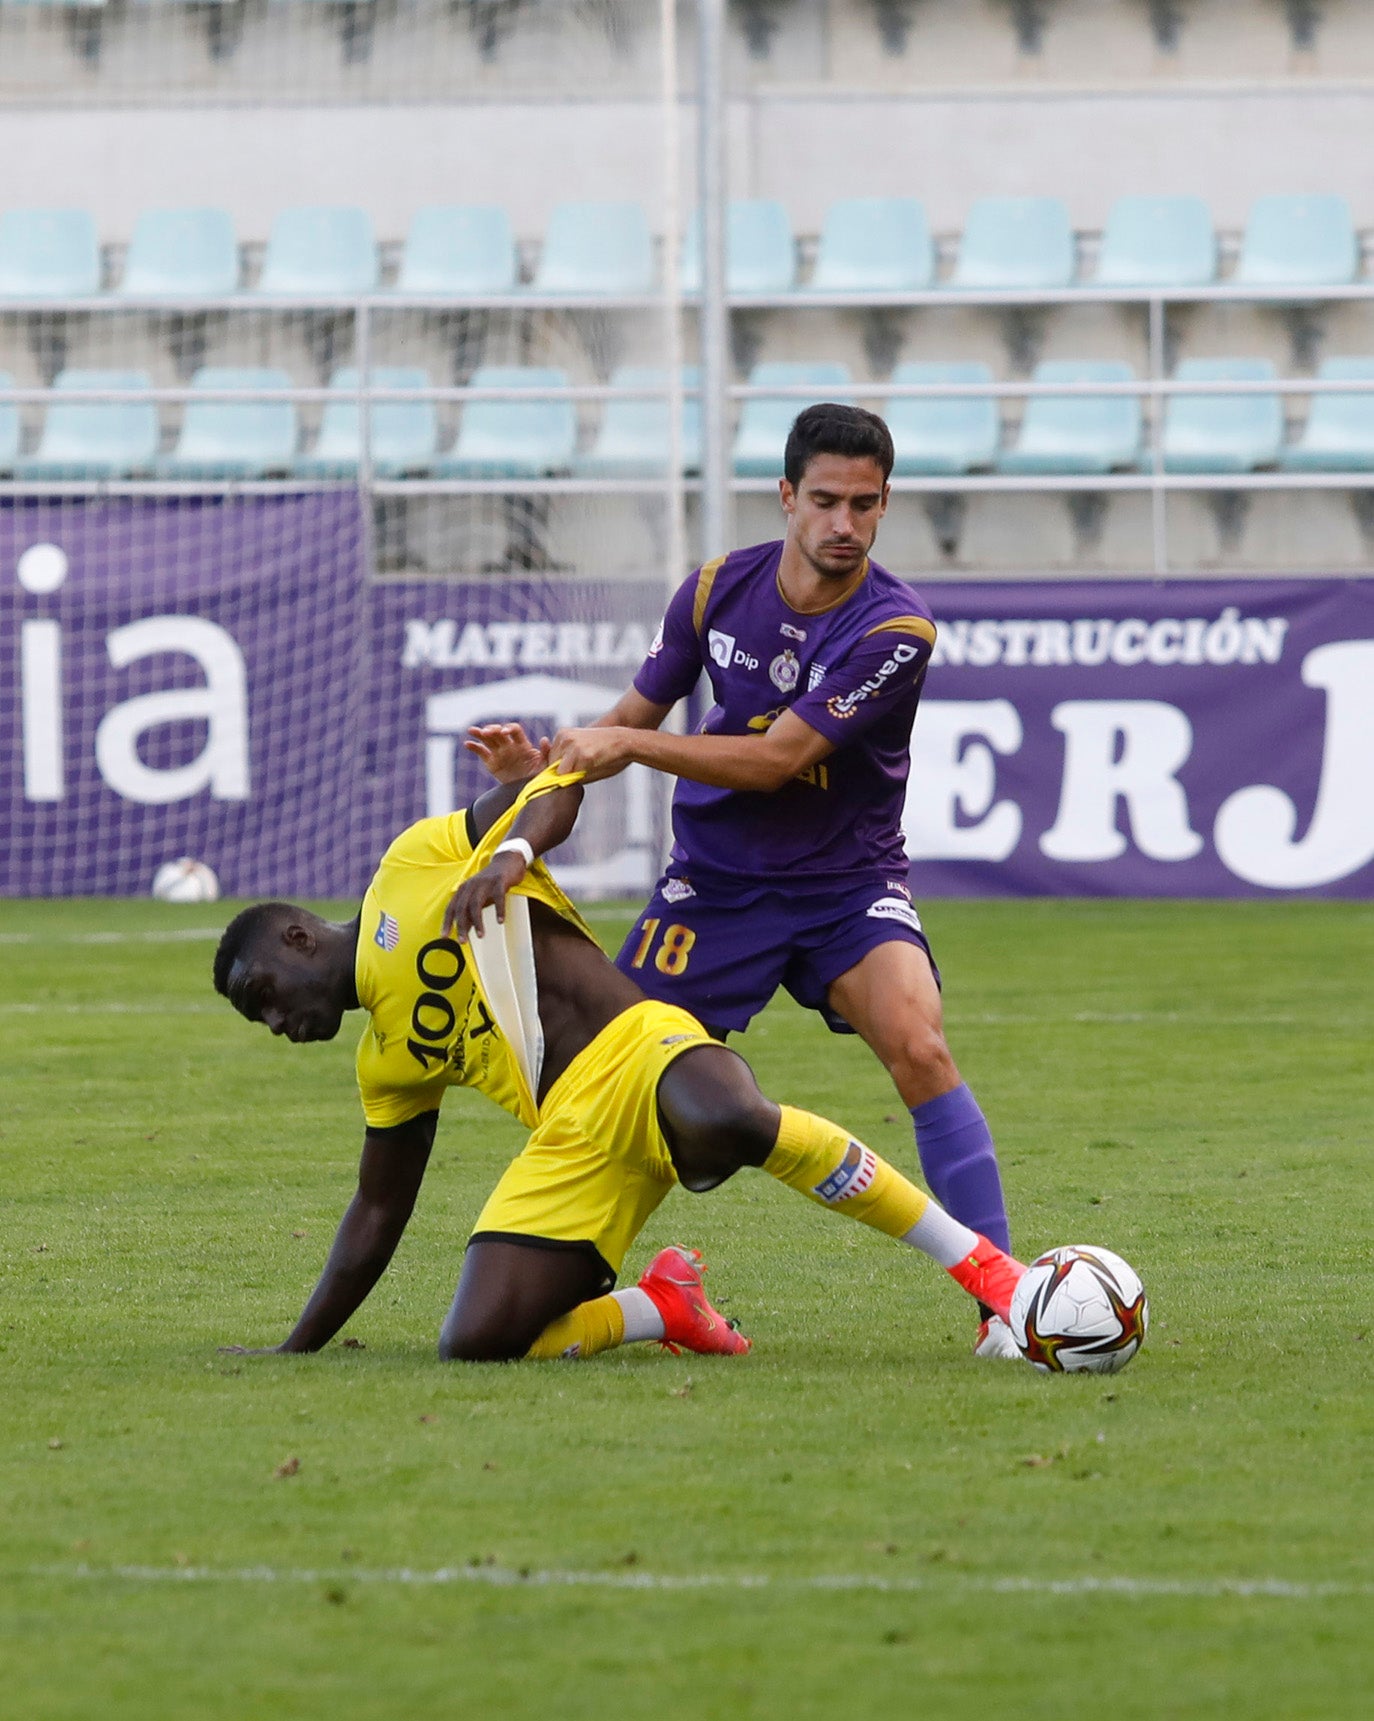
(389, 1177)
(510, 755)
(762, 763)
(541, 825)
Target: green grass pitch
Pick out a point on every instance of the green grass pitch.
(859, 1519)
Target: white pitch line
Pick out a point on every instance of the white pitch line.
(170, 935)
(506, 1577)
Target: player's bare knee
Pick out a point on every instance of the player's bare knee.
(922, 1058)
(714, 1118)
(461, 1342)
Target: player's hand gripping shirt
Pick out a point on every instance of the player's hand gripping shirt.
(853, 672)
(443, 1013)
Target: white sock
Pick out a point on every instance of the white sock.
(941, 1236)
(642, 1319)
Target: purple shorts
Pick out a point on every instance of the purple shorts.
(722, 952)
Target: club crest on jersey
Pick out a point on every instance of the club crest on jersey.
(851, 1176)
(785, 671)
(895, 908)
(676, 890)
(388, 933)
(790, 632)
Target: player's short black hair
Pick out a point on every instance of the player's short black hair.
(830, 428)
(241, 931)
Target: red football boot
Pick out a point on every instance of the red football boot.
(672, 1282)
(990, 1275)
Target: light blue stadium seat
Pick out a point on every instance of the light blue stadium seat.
(320, 249)
(1299, 242)
(943, 434)
(602, 248)
(405, 433)
(632, 438)
(1339, 433)
(764, 423)
(1077, 433)
(874, 245)
(760, 251)
(187, 253)
(9, 425)
(48, 254)
(95, 439)
(233, 438)
(1222, 433)
(1015, 242)
(458, 248)
(513, 438)
(1157, 242)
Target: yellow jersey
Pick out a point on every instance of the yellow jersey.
(441, 1013)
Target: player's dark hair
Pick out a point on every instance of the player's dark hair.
(830, 428)
(241, 932)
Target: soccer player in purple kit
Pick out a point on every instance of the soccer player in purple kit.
(788, 866)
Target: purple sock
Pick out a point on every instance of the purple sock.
(960, 1162)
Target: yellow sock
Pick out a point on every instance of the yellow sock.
(828, 1166)
(598, 1325)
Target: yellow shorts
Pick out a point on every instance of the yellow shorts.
(597, 1164)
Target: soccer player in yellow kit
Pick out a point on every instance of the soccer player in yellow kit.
(476, 970)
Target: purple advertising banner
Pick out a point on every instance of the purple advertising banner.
(219, 678)
(449, 655)
(1116, 738)
(178, 678)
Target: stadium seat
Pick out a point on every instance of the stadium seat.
(1015, 242)
(760, 251)
(186, 252)
(946, 433)
(95, 439)
(764, 423)
(1077, 433)
(632, 438)
(1157, 242)
(48, 254)
(1299, 242)
(404, 433)
(9, 425)
(320, 249)
(1222, 433)
(601, 248)
(234, 438)
(1339, 433)
(874, 245)
(458, 248)
(513, 438)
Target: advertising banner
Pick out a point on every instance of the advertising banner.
(179, 678)
(1133, 738)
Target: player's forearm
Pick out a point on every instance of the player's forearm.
(632, 711)
(362, 1250)
(746, 762)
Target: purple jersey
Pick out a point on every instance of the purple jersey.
(852, 672)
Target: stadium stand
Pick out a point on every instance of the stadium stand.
(49, 253)
(764, 422)
(460, 249)
(1157, 242)
(597, 249)
(513, 438)
(404, 434)
(186, 253)
(1223, 433)
(1077, 433)
(632, 438)
(1339, 433)
(95, 439)
(942, 435)
(234, 438)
